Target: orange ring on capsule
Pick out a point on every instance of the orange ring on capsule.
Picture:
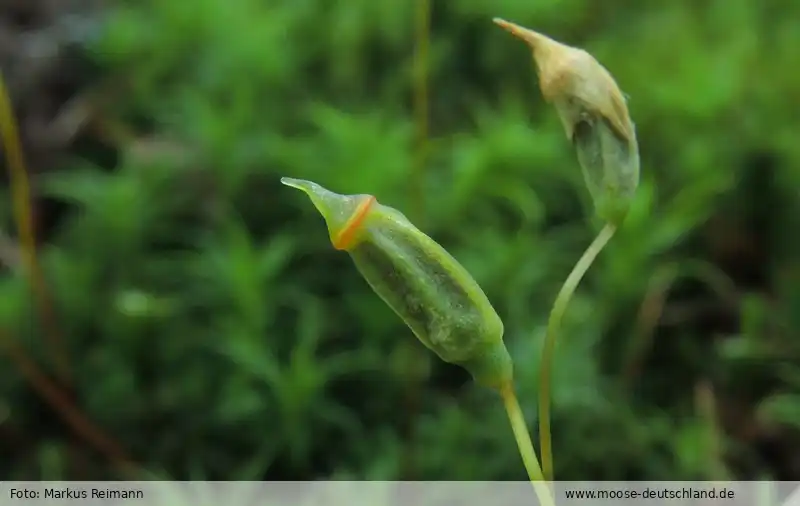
(345, 238)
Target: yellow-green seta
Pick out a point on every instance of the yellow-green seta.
(433, 294)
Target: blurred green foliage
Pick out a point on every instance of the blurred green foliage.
(215, 333)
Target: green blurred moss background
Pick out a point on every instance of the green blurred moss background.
(213, 333)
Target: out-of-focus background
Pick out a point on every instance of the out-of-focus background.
(193, 321)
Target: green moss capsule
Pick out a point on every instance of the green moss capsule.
(433, 294)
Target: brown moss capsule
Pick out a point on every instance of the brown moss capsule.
(595, 117)
(433, 294)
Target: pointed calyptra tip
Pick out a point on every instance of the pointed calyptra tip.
(307, 187)
(294, 183)
(315, 192)
(343, 214)
(535, 40)
(513, 29)
(553, 59)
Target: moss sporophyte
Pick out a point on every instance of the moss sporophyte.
(595, 117)
(430, 291)
(433, 294)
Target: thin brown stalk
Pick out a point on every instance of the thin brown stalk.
(21, 193)
(59, 400)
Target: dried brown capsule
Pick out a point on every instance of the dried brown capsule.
(595, 117)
